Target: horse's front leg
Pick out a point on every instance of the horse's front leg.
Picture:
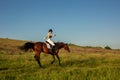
(57, 51)
(53, 59)
(58, 59)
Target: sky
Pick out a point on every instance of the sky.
(81, 22)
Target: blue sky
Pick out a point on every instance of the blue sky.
(82, 22)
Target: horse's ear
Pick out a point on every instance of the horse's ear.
(66, 43)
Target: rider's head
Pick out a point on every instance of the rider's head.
(50, 30)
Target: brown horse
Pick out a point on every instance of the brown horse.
(39, 47)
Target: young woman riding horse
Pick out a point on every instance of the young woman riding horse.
(49, 41)
(39, 47)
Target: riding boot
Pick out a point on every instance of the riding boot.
(52, 49)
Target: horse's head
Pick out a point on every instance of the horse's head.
(60, 45)
(66, 47)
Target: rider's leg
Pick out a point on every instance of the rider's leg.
(52, 43)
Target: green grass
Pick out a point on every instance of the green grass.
(83, 63)
(74, 67)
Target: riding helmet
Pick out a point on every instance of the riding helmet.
(50, 30)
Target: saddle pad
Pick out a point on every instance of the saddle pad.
(48, 45)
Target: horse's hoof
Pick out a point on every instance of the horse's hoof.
(41, 66)
(52, 62)
(60, 65)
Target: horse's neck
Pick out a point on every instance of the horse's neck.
(59, 45)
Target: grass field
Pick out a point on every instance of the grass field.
(83, 63)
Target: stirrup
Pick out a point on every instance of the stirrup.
(50, 50)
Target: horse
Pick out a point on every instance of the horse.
(39, 47)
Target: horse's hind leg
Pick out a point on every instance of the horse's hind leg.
(37, 58)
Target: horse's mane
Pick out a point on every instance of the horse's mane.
(60, 43)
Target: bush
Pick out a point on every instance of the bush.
(107, 47)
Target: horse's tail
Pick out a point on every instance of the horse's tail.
(27, 46)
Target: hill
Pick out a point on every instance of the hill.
(11, 46)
